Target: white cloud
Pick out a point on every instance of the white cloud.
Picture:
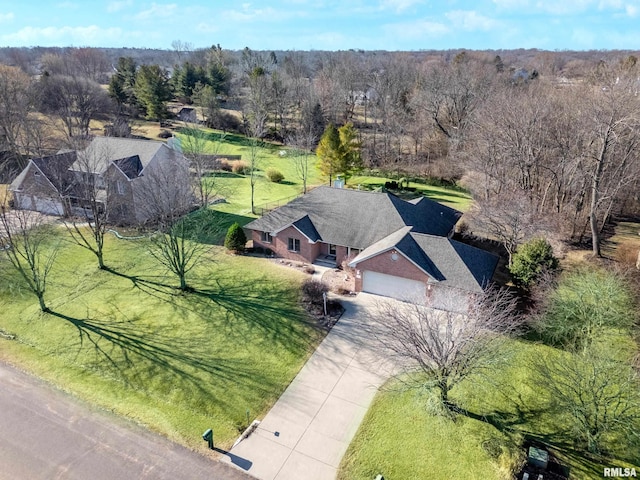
(158, 11)
(632, 10)
(399, 6)
(118, 6)
(512, 4)
(6, 17)
(47, 36)
(470, 20)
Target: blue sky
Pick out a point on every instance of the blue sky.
(325, 24)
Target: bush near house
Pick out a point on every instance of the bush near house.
(235, 239)
(531, 260)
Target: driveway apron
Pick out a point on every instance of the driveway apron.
(308, 430)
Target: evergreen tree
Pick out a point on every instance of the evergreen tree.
(235, 239)
(152, 91)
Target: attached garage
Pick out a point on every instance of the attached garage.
(394, 287)
(44, 205)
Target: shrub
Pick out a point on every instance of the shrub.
(240, 167)
(235, 239)
(309, 269)
(274, 175)
(313, 290)
(165, 134)
(225, 166)
(531, 260)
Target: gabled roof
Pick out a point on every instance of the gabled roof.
(103, 150)
(55, 169)
(356, 218)
(130, 166)
(446, 261)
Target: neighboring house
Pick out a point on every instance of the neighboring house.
(134, 180)
(400, 249)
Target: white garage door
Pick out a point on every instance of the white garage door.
(392, 286)
(50, 206)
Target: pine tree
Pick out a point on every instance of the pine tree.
(235, 239)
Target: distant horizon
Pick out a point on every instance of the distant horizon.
(326, 25)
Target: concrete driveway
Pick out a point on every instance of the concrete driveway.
(308, 430)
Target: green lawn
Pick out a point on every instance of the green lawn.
(401, 440)
(236, 188)
(178, 363)
(455, 198)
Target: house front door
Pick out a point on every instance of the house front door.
(332, 249)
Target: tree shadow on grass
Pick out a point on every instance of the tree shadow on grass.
(134, 346)
(557, 438)
(262, 303)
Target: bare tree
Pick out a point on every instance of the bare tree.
(18, 127)
(612, 159)
(598, 395)
(439, 349)
(88, 216)
(176, 242)
(76, 100)
(202, 152)
(29, 245)
(303, 157)
(508, 218)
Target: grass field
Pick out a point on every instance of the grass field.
(178, 363)
(458, 199)
(236, 188)
(401, 440)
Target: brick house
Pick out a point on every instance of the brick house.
(397, 248)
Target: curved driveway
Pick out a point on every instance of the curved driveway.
(44, 434)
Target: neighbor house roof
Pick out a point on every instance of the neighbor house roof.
(54, 167)
(103, 150)
(130, 166)
(356, 218)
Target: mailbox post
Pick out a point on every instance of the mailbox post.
(208, 437)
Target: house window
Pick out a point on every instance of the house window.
(266, 237)
(332, 249)
(294, 245)
(119, 188)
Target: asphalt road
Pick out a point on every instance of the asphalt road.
(45, 434)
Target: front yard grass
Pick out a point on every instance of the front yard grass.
(400, 439)
(178, 363)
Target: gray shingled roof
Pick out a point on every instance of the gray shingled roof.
(54, 167)
(131, 166)
(356, 218)
(460, 265)
(447, 261)
(103, 150)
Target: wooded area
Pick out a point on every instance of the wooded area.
(545, 141)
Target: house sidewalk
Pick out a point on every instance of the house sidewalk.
(308, 430)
